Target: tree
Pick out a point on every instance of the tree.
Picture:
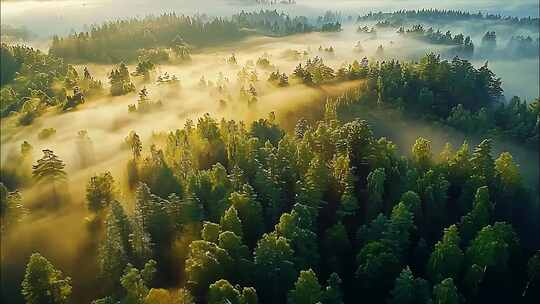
(404, 289)
(447, 258)
(250, 213)
(115, 247)
(400, 227)
(479, 217)
(49, 169)
(223, 292)
(375, 182)
(482, 162)
(206, 263)
(11, 207)
(210, 232)
(164, 296)
(85, 149)
(43, 284)
(507, 171)
(231, 222)
(336, 246)
(307, 289)
(275, 270)
(493, 247)
(533, 272)
(332, 294)
(100, 191)
(445, 292)
(135, 282)
(233, 245)
(249, 296)
(134, 142)
(303, 241)
(422, 153)
(378, 265)
(413, 203)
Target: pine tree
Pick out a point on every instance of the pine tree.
(479, 216)
(231, 222)
(403, 292)
(446, 292)
(100, 191)
(307, 289)
(43, 284)
(447, 258)
(333, 294)
(49, 169)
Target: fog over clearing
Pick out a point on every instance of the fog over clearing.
(233, 153)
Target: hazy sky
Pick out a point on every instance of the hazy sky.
(46, 17)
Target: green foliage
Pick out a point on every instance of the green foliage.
(407, 289)
(479, 217)
(446, 260)
(337, 244)
(31, 81)
(115, 247)
(306, 289)
(136, 282)
(461, 46)
(231, 222)
(43, 284)
(421, 152)
(120, 81)
(164, 296)
(205, 264)
(333, 294)
(493, 246)
(286, 203)
(375, 181)
(223, 292)
(302, 239)
(12, 210)
(378, 264)
(210, 232)
(446, 293)
(100, 191)
(249, 212)
(275, 270)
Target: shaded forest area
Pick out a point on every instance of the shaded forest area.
(272, 215)
(121, 40)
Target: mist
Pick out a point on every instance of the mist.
(50, 17)
(107, 121)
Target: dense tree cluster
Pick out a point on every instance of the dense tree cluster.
(453, 92)
(318, 215)
(120, 80)
(30, 83)
(520, 46)
(489, 41)
(463, 46)
(122, 40)
(159, 37)
(331, 27)
(272, 22)
(439, 16)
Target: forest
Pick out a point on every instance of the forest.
(267, 156)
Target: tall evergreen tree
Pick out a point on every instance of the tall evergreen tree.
(43, 284)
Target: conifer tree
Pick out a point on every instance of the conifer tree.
(43, 284)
